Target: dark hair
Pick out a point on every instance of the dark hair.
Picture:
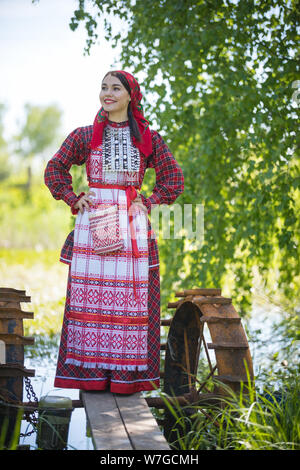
(132, 122)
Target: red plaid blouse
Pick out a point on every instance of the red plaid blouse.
(75, 150)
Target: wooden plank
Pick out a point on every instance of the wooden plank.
(201, 398)
(211, 300)
(231, 378)
(175, 304)
(141, 426)
(12, 290)
(14, 297)
(215, 319)
(107, 429)
(121, 422)
(199, 291)
(227, 346)
(15, 370)
(11, 338)
(14, 313)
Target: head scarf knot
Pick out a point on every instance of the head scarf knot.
(101, 119)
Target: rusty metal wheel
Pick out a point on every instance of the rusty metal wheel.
(203, 315)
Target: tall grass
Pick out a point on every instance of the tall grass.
(12, 442)
(265, 420)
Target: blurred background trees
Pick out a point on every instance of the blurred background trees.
(37, 134)
(4, 153)
(27, 210)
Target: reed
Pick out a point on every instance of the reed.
(266, 420)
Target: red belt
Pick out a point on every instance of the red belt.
(131, 194)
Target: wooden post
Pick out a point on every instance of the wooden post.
(12, 340)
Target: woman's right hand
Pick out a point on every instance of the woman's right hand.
(83, 202)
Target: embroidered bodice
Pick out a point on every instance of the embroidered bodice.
(76, 150)
(117, 160)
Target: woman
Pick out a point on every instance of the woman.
(111, 328)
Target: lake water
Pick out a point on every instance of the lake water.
(42, 385)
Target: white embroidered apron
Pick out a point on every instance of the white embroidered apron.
(108, 320)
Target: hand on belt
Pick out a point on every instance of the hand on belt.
(131, 196)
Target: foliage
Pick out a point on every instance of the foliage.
(38, 222)
(39, 130)
(13, 440)
(5, 167)
(222, 77)
(44, 279)
(249, 420)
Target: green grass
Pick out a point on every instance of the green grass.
(266, 420)
(14, 438)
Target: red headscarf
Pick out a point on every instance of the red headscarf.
(101, 119)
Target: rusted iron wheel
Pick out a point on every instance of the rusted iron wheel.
(201, 314)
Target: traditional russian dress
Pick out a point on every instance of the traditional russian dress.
(111, 326)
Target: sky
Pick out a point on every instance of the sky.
(42, 62)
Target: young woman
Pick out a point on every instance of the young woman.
(111, 327)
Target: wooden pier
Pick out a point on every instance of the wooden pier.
(122, 422)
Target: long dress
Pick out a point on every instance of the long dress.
(111, 327)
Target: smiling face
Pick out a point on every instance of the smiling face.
(114, 98)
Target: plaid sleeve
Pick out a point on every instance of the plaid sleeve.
(57, 177)
(169, 176)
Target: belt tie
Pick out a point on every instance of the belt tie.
(131, 194)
